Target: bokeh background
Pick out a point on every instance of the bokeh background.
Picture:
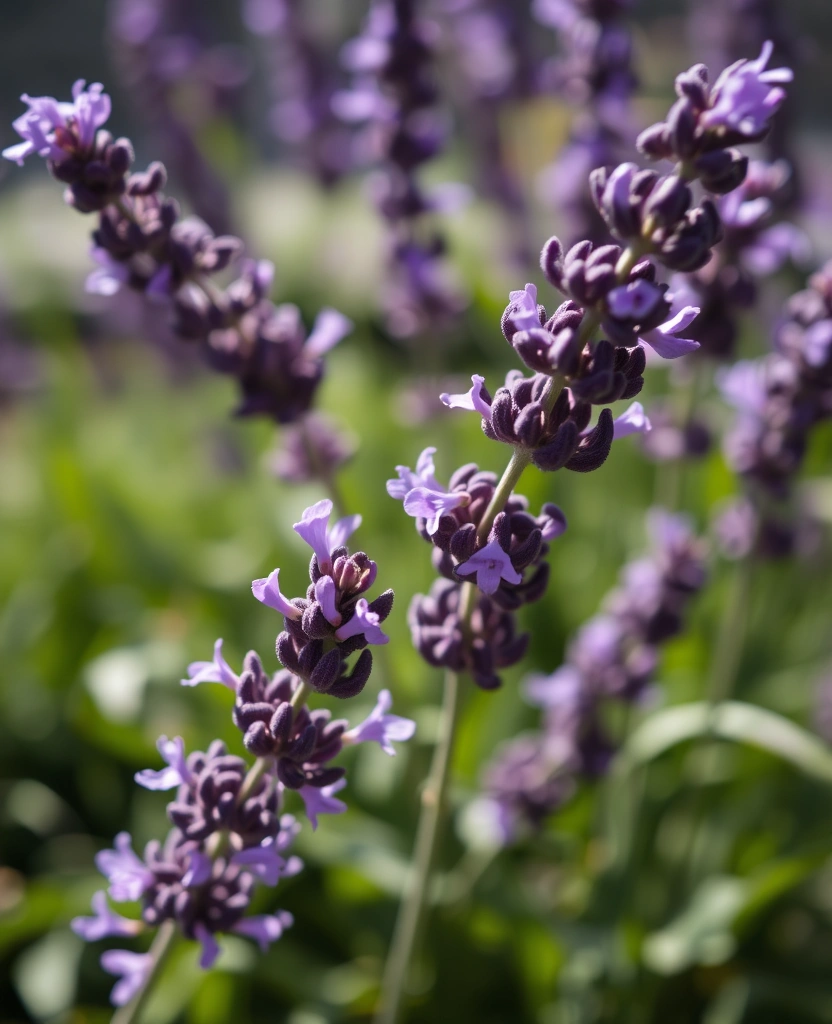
(134, 512)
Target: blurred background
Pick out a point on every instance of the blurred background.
(135, 511)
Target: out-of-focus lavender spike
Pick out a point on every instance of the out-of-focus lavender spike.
(612, 658)
(594, 74)
(302, 77)
(161, 55)
(394, 96)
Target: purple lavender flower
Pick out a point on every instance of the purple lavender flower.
(422, 495)
(314, 529)
(381, 727)
(134, 970)
(58, 131)
(633, 421)
(363, 623)
(105, 922)
(126, 872)
(267, 592)
(177, 771)
(491, 564)
(322, 801)
(265, 928)
(216, 671)
(746, 95)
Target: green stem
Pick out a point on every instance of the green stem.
(411, 911)
(731, 638)
(255, 774)
(160, 949)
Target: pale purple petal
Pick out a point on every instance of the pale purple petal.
(313, 529)
(216, 671)
(472, 400)
(106, 921)
(210, 946)
(633, 421)
(199, 870)
(134, 969)
(261, 861)
(329, 328)
(743, 385)
(267, 591)
(322, 801)
(743, 97)
(491, 564)
(325, 593)
(817, 341)
(265, 928)
(381, 728)
(774, 246)
(177, 772)
(127, 874)
(555, 690)
(663, 339)
(342, 531)
(522, 308)
(110, 275)
(363, 622)
(432, 505)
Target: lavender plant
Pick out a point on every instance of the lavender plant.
(611, 661)
(142, 242)
(395, 96)
(477, 525)
(229, 831)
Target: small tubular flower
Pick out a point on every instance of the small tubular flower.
(491, 564)
(381, 727)
(216, 671)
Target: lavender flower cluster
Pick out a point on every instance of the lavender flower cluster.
(612, 660)
(394, 95)
(478, 526)
(229, 831)
(780, 399)
(143, 243)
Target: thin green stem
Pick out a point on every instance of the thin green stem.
(731, 637)
(255, 774)
(411, 911)
(159, 950)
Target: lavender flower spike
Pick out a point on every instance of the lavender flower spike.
(745, 96)
(381, 728)
(313, 528)
(322, 801)
(134, 969)
(216, 671)
(363, 622)
(633, 421)
(56, 130)
(267, 591)
(472, 400)
(177, 771)
(126, 872)
(105, 923)
(491, 564)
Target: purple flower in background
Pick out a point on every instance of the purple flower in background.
(265, 928)
(134, 969)
(746, 95)
(126, 872)
(177, 771)
(472, 400)
(313, 528)
(382, 728)
(267, 592)
(491, 564)
(216, 671)
(105, 923)
(56, 130)
(363, 622)
(322, 801)
(633, 421)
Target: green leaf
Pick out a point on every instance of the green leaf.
(734, 721)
